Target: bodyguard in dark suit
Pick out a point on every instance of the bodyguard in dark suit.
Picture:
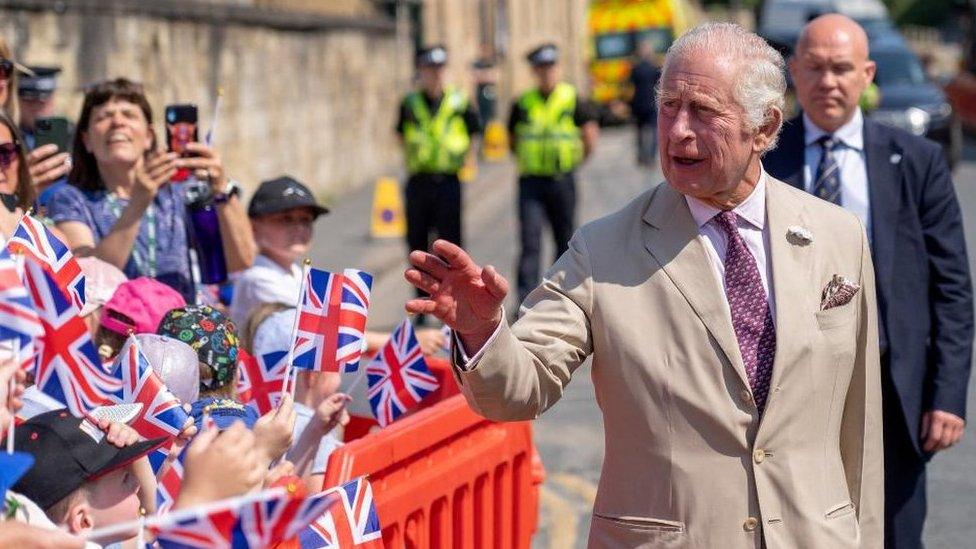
(900, 187)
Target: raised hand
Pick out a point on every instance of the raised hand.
(47, 165)
(153, 172)
(463, 295)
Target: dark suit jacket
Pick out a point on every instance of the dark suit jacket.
(924, 289)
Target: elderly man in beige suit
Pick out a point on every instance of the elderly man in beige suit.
(731, 321)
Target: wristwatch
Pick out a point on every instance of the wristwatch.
(232, 188)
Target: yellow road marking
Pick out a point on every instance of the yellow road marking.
(559, 519)
(576, 485)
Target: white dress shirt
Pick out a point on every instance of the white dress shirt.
(849, 154)
(264, 282)
(751, 219)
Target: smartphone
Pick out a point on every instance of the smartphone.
(52, 130)
(181, 128)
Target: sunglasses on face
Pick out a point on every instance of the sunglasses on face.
(6, 68)
(8, 155)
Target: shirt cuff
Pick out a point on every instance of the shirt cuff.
(466, 363)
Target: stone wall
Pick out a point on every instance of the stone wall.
(312, 97)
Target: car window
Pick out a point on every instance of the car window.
(897, 68)
(613, 46)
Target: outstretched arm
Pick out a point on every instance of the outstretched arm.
(521, 371)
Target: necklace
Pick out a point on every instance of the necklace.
(147, 269)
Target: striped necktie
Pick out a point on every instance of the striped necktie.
(827, 185)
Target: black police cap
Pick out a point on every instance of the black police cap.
(432, 56)
(280, 194)
(546, 54)
(42, 81)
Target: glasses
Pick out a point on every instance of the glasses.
(8, 155)
(6, 68)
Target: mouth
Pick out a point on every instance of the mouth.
(116, 138)
(686, 160)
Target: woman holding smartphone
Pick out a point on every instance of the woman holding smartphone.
(121, 205)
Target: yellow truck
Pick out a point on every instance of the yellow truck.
(615, 29)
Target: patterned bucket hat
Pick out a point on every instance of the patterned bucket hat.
(211, 334)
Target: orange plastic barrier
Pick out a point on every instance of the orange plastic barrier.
(359, 426)
(446, 477)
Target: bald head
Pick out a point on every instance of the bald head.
(837, 31)
(831, 69)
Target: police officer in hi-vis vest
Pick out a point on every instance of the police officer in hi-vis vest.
(552, 131)
(436, 126)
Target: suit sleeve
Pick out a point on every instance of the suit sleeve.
(861, 426)
(523, 369)
(950, 291)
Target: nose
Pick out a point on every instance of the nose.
(827, 80)
(678, 128)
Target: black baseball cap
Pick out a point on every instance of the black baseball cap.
(280, 194)
(67, 455)
(546, 54)
(432, 56)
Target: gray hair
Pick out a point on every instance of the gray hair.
(760, 82)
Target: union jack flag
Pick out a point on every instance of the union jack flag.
(66, 366)
(398, 378)
(332, 320)
(261, 379)
(168, 487)
(280, 517)
(18, 319)
(33, 239)
(197, 528)
(162, 414)
(351, 523)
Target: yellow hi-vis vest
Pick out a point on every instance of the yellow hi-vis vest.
(436, 144)
(548, 141)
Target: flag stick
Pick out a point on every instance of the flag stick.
(160, 521)
(12, 386)
(212, 134)
(286, 385)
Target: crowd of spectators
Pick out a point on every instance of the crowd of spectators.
(113, 201)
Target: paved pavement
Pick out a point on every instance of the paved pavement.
(570, 435)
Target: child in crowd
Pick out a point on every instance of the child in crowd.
(83, 475)
(136, 307)
(283, 212)
(214, 337)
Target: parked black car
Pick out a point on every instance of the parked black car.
(911, 101)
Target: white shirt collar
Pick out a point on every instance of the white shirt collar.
(752, 209)
(850, 134)
(262, 260)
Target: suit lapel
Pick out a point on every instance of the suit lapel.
(672, 238)
(884, 192)
(795, 289)
(791, 142)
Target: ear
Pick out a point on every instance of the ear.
(80, 519)
(870, 69)
(766, 134)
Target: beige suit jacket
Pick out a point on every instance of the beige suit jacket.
(689, 462)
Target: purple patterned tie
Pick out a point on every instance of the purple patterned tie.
(751, 317)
